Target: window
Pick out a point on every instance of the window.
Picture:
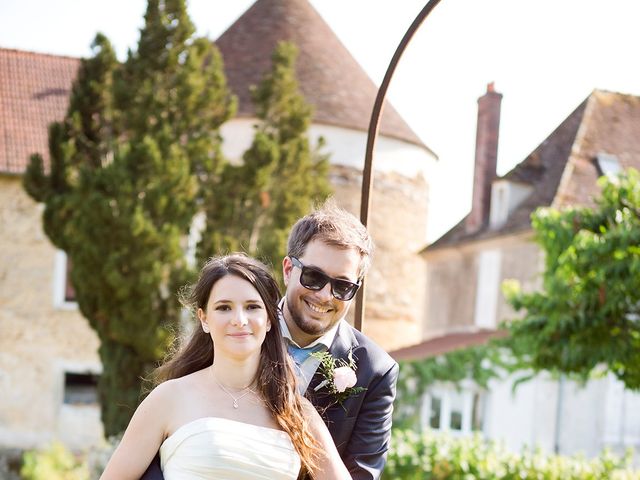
(457, 411)
(80, 388)
(435, 412)
(69, 291)
(506, 196)
(64, 296)
(477, 407)
(456, 406)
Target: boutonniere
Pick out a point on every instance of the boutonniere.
(339, 375)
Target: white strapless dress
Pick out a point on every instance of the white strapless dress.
(218, 448)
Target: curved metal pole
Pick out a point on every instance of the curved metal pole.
(378, 106)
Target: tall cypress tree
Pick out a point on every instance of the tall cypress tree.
(280, 178)
(138, 146)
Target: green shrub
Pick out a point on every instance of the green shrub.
(53, 463)
(437, 456)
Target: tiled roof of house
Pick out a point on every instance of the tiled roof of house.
(445, 344)
(329, 77)
(34, 91)
(563, 170)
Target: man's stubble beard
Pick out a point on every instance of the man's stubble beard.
(308, 327)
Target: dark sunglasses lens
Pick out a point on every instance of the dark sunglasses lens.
(312, 279)
(344, 290)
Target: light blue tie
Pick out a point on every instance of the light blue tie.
(299, 355)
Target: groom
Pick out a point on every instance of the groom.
(329, 252)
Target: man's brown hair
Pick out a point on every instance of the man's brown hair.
(333, 226)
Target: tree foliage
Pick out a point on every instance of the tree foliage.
(280, 177)
(587, 314)
(128, 165)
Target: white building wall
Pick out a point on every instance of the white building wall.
(582, 418)
(347, 147)
(524, 417)
(563, 416)
(621, 426)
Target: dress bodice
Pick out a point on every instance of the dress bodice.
(218, 448)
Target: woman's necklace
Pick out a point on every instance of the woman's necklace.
(245, 391)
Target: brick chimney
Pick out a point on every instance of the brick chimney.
(486, 158)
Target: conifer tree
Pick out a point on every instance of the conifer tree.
(138, 146)
(280, 178)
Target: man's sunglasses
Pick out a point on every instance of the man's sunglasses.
(315, 279)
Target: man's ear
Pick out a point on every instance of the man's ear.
(287, 266)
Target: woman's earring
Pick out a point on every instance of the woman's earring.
(205, 327)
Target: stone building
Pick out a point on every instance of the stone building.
(494, 242)
(48, 352)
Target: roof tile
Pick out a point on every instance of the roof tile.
(34, 91)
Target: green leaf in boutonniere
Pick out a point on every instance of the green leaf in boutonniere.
(339, 375)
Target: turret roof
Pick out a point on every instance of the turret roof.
(330, 78)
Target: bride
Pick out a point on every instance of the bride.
(235, 414)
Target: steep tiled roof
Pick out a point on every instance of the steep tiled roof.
(330, 78)
(34, 91)
(562, 170)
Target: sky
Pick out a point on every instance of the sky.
(545, 57)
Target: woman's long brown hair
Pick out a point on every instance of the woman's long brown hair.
(275, 379)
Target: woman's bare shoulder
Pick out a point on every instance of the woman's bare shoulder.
(165, 391)
(177, 388)
(161, 397)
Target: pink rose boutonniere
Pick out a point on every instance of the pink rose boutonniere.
(339, 376)
(343, 378)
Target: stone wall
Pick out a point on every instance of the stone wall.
(38, 342)
(451, 292)
(453, 276)
(397, 221)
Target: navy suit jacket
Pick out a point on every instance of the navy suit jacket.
(361, 426)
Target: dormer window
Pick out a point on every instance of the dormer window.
(505, 198)
(608, 164)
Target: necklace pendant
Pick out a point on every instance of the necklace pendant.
(235, 404)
